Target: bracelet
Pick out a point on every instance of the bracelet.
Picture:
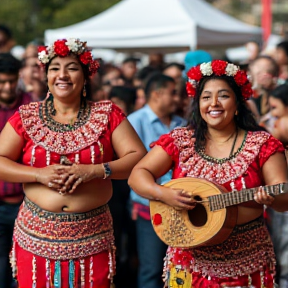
(107, 170)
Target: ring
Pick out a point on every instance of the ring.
(62, 193)
(50, 184)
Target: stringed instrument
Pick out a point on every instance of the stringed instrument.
(213, 218)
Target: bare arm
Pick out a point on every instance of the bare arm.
(142, 180)
(128, 147)
(11, 145)
(274, 171)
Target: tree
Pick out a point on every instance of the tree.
(28, 19)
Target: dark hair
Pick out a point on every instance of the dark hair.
(126, 94)
(174, 64)
(145, 72)
(281, 93)
(156, 81)
(6, 31)
(9, 64)
(275, 67)
(243, 120)
(284, 46)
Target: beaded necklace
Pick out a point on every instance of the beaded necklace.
(201, 152)
(47, 110)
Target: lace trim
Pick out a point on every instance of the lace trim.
(193, 165)
(65, 142)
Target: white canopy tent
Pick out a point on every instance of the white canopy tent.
(162, 25)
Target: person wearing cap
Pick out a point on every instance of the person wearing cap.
(222, 145)
(62, 150)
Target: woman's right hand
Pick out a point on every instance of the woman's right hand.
(53, 176)
(177, 198)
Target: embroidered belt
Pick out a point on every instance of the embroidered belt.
(63, 236)
(247, 250)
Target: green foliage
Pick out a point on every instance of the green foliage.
(28, 19)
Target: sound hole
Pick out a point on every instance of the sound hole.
(198, 215)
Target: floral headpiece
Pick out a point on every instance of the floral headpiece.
(219, 68)
(63, 48)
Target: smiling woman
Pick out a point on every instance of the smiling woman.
(224, 145)
(63, 150)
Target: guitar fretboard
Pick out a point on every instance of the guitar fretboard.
(220, 201)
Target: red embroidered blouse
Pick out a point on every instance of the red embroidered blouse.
(243, 168)
(89, 143)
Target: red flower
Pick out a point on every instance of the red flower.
(41, 48)
(60, 48)
(86, 57)
(191, 91)
(240, 78)
(195, 73)
(218, 67)
(157, 219)
(247, 91)
(93, 67)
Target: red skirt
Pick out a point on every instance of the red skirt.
(32, 268)
(63, 250)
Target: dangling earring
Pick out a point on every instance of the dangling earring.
(49, 94)
(84, 90)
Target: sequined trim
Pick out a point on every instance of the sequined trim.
(247, 250)
(193, 165)
(63, 236)
(82, 137)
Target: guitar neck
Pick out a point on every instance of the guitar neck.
(221, 201)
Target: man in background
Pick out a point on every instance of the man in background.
(11, 194)
(156, 118)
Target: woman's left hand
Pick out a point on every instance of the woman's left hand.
(79, 173)
(263, 197)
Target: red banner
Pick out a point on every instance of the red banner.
(266, 19)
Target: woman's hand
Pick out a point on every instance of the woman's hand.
(177, 198)
(53, 176)
(79, 173)
(262, 197)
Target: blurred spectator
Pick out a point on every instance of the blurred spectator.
(11, 194)
(264, 73)
(174, 70)
(157, 117)
(156, 60)
(112, 76)
(281, 57)
(194, 58)
(253, 50)
(129, 69)
(278, 222)
(139, 82)
(30, 70)
(124, 97)
(6, 39)
(185, 101)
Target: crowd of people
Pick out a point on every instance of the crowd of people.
(74, 129)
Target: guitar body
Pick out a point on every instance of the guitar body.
(199, 226)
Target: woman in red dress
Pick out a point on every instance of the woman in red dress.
(62, 150)
(224, 145)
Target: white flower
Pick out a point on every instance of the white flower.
(206, 69)
(73, 45)
(43, 57)
(193, 82)
(231, 70)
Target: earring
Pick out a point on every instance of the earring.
(84, 90)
